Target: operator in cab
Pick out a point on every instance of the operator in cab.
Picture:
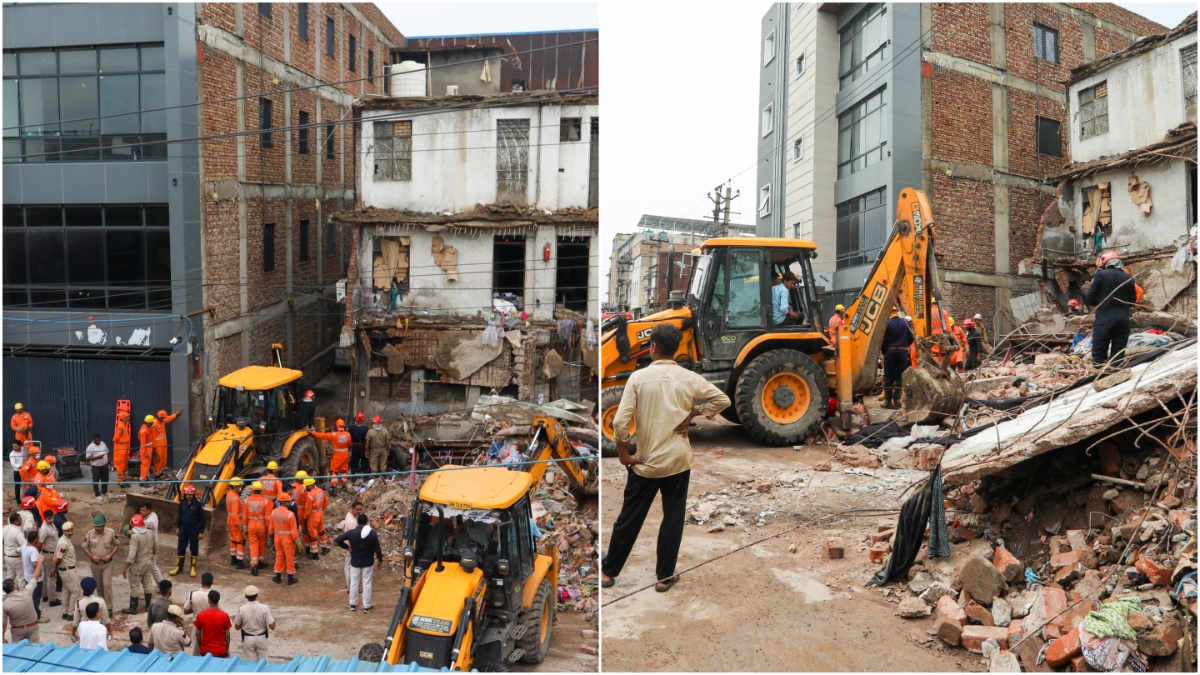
(782, 313)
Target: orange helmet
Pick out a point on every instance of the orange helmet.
(189, 489)
(340, 423)
(968, 323)
(162, 413)
(285, 496)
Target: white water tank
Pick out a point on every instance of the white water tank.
(408, 79)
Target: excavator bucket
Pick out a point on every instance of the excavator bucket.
(932, 390)
(216, 531)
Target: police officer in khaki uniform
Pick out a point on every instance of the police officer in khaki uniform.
(255, 622)
(88, 585)
(64, 562)
(137, 564)
(48, 537)
(100, 547)
(19, 613)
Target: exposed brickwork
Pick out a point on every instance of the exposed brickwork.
(961, 29)
(313, 326)
(962, 117)
(962, 129)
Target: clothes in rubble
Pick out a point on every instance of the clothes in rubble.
(939, 536)
(1112, 619)
(910, 531)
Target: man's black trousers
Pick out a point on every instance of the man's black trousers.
(1110, 336)
(639, 497)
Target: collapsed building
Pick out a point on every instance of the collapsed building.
(1133, 130)
(474, 250)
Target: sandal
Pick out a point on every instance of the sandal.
(664, 586)
(607, 584)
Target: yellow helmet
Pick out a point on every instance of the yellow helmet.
(301, 474)
(236, 482)
(257, 485)
(149, 419)
(271, 466)
(43, 465)
(310, 481)
(840, 308)
(950, 321)
(18, 407)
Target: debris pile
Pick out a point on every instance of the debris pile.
(736, 505)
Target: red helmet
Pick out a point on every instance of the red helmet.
(309, 394)
(189, 489)
(359, 417)
(1072, 303)
(1107, 257)
(377, 420)
(968, 323)
(28, 502)
(137, 520)
(62, 506)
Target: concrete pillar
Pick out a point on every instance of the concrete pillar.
(541, 276)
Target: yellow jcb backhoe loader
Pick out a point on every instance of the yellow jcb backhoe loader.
(783, 378)
(477, 593)
(254, 424)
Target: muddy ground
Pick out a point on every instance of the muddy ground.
(767, 607)
(313, 616)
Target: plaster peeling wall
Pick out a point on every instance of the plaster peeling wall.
(1132, 231)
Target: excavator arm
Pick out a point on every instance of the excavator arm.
(905, 273)
(550, 441)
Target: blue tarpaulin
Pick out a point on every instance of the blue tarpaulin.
(30, 657)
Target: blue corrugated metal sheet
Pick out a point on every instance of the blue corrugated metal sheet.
(30, 657)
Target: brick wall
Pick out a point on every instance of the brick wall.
(313, 326)
(962, 129)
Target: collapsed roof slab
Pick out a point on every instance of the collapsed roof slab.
(1075, 416)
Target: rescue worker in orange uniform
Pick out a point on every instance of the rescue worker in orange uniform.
(339, 463)
(47, 497)
(271, 484)
(300, 500)
(235, 507)
(21, 423)
(838, 318)
(257, 509)
(958, 358)
(160, 441)
(29, 469)
(282, 526)
(937, 323)
(316, 503)
(122, 435)
(146, 446)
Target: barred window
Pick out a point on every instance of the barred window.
(393, 150)
(1093, 111)
(1187, 57)
(1045, 43)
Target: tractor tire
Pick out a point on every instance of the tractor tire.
(305, 455)
(609, 400)
(781, 397)
(540, 624)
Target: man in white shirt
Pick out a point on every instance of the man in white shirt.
(97, 455)
(197, 601)
(92, 633)
(14, 540)
(349, 523)
(16, 457)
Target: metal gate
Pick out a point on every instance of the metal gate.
(71, 399)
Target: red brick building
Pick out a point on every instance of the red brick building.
(272, 254)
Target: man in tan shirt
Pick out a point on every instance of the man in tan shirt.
(168, 636)
(255, 622)
(137, 564)
(20, 616)
(64, 562)
(662, 399)
(100, 547)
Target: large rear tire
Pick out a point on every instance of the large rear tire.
(540, 621)
(781, 397)
(304, 457)
(610, 399)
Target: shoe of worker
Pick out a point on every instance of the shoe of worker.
(254, 570)
(368, 610)
(43, 619)
(278, 578)
(68, 617)
(292, 579)
(133, 607)
(55, 603)
(178, 566)
(192, 573)
(324, 550)
(352, 608)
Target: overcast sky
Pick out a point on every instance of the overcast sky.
(418, 19)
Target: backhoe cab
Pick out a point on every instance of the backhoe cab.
(253, 424)
(477, 593)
